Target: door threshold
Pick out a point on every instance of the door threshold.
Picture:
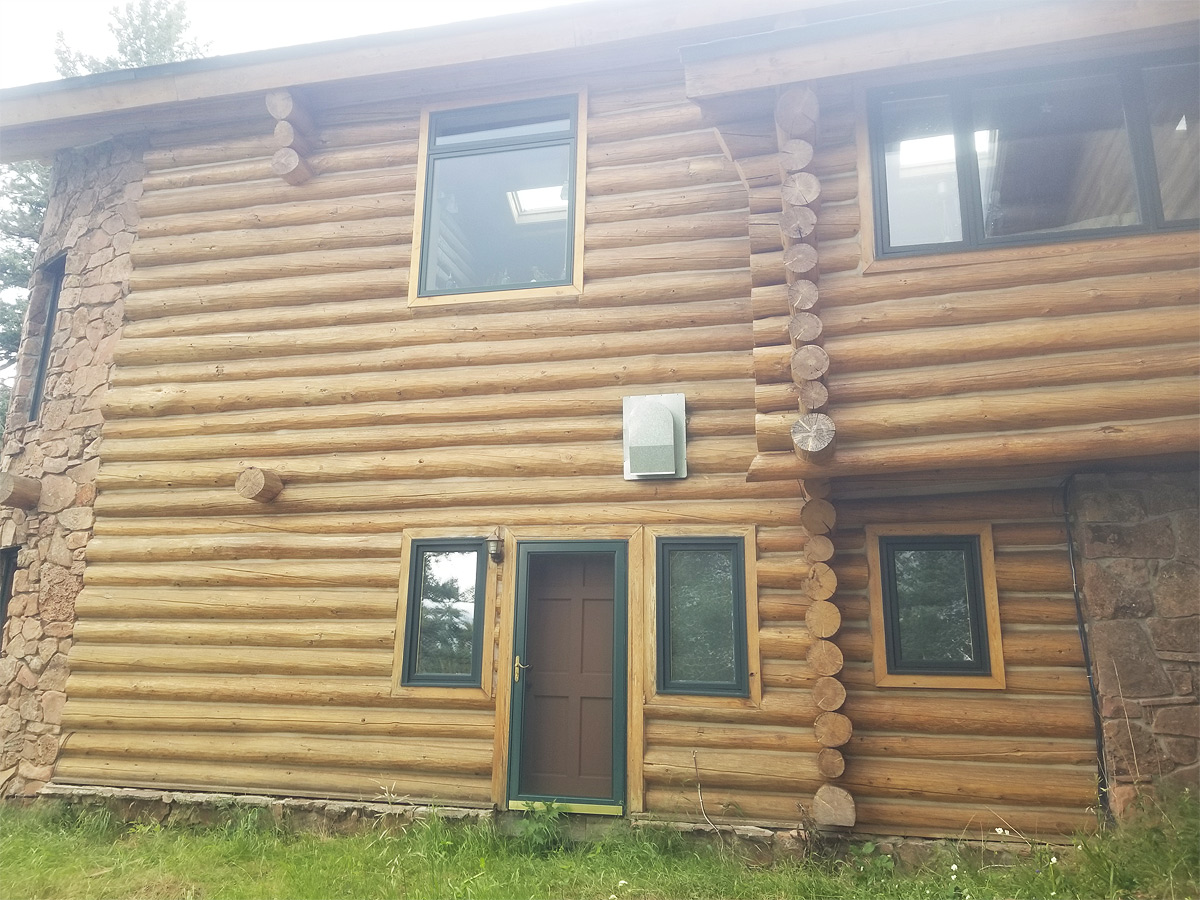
(591, 809)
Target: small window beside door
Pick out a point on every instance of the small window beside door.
(934, 612)
(499, 210)
(443, 623)
(701, 621)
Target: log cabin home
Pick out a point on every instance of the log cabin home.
(794, 399)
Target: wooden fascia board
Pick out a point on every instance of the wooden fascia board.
(967, 33)
(512, 38)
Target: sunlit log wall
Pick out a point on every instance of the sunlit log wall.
(238, 645)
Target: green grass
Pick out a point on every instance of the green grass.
(50, 850)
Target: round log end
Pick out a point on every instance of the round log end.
(814, 431)
(801, 189)
(820, 517)
(831, 763)
(832, 729)
(814, 396)
(819, 548)
(823, 618)
(825, 658)
(800, 258)
(262, 485)
(796, 111)
(19, 491)
(802, 295)
(795, 155)
(798, 222)
(828, 693)
(833, 806)
(821, 583)
(290, 166)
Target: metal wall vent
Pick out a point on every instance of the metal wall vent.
(654, 437)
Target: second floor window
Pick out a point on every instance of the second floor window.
(499, 205)
(1037, 157)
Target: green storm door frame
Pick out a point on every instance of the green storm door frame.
(618, 550)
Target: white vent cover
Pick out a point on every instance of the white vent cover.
(654, 437)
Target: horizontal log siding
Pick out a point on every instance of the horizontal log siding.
(963, 762)
(1020, 343)
(225, 644)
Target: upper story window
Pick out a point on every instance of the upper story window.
(1037, 157)
(499, 211)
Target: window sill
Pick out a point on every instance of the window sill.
(573, 291)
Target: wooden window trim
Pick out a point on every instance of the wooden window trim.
(871, 187)
(572, 290)
(994, 680)
(654, 697)
(448, 694)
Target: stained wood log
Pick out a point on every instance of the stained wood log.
(767, 269)
(819, 548)
(673, 202)
(234, 603)
(793, 708)
(752, 137)
(183, 633)
(764, 199)
(645, 122)
(637, 233)
(808, 363)
(732, 285)
(824, 657)
(775, 540)
(802, 295)
(948, 820)
(783, 641)
(765, 236)
(828, 693)
(813, 437)
(770, 300)
(185, 156)
(795, 155)
(288, 136)
(1034, 751)
(834, 159)
(231, 660)
(750, 737)
(264, 546)
(233, 172)
(682, 256)
(284, 105)
(800, 258)
(797, 222)
(788, 571)
(290, 573)
(830, 762)
(772, 431)
(1060, 445)
(1094, 367)
(752, 769)
(19, 491)
(759, 171)
(840, 256)
(272, 268)
(803, 328)
(777, 397)
(318, 782)
(833, 807)
(796, 112)
(1011, 717)
(801, 189)
(773, 364)
(968, 782)
(658, 176)
(822, 582)
(816, 488)
(262, 485)
(839, 188)
(837, 221)
(813, 396)
(823, 619)
(832, 729)
(653, 148)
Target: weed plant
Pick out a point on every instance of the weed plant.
(51, 851)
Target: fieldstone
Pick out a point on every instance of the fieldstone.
(1177, 589)
(54, 678)
(85, 472)
(1182, 676)
(1110, 506)
(10, 720)
(35, 663)
(1169, 493)
(30, 709)
(46, 750)
(46, 648)
(77, 540)
(31, 629)
(57, 597)
(58, 552)
(1117, 588)
(85, 419)
(59, 629)
(1178, 720)
(1132, 751)
(15, 646)
(33, 772)
(52, 706)
(1126, 664)
(27, 679)
(1187, 533)
(1184, 751)
(1175, 635)
(58, 492)
(113, 223)
(1148, 540)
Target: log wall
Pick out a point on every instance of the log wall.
(965, 762)
(234, 644)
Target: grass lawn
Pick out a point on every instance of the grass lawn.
(49, 850)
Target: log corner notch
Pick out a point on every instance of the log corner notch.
(293, 137)
(262, 485)
(19, 491)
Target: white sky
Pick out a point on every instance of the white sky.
(28, 27)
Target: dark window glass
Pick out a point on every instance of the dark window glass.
(1053, 156)
(8, 569)
(1036, 157)
(1175, 128)
(922, 175)
(55, 272)
(445, 613)
(499, 204)
(701, 617)
(933, 605)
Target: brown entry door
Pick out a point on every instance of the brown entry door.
(568, 727)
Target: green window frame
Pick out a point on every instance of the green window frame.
(934, 617)
(701, 645)
(443, 634)
(1015, 160)
(499, 199)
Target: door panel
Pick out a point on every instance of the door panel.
(568, 701)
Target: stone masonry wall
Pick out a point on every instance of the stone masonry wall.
(92, 216)
(1138, 543)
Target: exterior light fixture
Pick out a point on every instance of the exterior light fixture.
(495, 546)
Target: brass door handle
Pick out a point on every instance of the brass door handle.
(517, 667)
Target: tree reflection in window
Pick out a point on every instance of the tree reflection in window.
(445, 599)
(933, 605)
(702, 617)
